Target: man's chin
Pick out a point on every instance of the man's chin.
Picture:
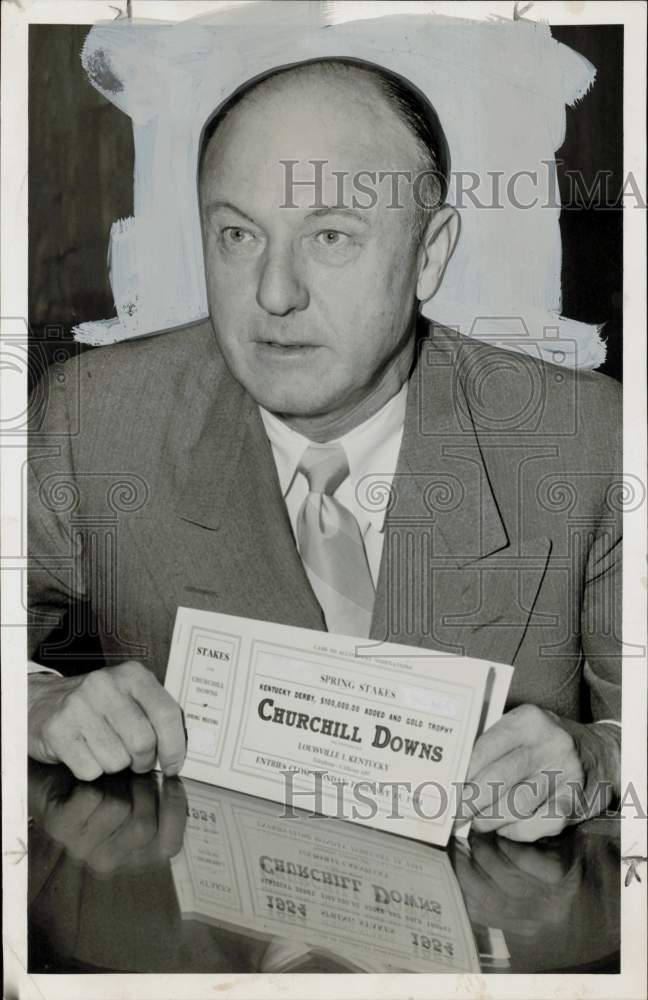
(293, 401)
(295, 409)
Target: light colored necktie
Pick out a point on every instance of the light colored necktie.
(330, 544)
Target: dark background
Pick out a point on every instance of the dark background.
(81, 169)
(592, 238)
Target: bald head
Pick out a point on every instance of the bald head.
(332, 100)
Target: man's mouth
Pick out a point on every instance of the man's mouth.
(289, 346)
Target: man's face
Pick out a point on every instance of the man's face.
(310, 305)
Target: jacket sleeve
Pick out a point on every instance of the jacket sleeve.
(601, 615)
(55, 567)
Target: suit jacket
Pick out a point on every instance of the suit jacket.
(153, 486)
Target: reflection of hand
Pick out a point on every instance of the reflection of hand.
(116, 823)
(516, 887)
(105, 721)
(533, 773)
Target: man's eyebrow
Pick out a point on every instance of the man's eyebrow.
(316, 213)
(338, 210)
(212, 206)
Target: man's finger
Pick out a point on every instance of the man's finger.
(515, 729)
(135, 731)
(489, 786)
(528, 830)
(75, 753)
(165, 716)
(114, 703)
(106, 746)
(519, 799)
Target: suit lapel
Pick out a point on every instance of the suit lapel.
(232, 496)
(446, 579)
(215, 459)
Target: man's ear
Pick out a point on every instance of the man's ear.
(437, 244)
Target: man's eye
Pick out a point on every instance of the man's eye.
(237, 236)
(331, 238)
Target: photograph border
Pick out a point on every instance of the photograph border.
(17, 15)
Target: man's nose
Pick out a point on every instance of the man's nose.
(281, 288)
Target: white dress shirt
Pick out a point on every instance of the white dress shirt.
(372, 452)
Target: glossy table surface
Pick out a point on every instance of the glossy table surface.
(135, 874)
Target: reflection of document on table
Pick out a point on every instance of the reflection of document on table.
(378, 903)
(296, 715)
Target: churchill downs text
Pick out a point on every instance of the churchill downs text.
(382, 736)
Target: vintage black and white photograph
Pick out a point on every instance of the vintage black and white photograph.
(323, 448)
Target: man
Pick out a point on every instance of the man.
(246, 443)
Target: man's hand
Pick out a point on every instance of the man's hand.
(105, 721)
(533, 773)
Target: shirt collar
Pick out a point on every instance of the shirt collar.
(371, 448)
